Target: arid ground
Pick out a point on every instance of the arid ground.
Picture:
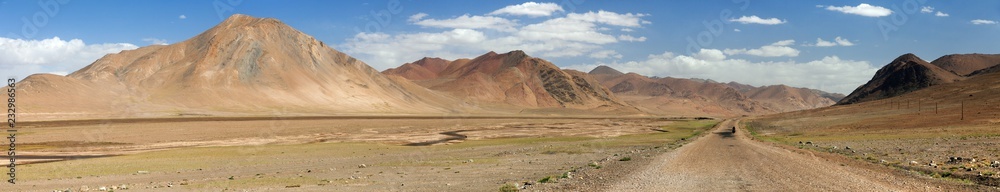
(341, 154)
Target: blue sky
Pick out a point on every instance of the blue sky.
(755, 42)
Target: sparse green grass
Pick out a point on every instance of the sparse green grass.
(508, 188)
(625, 159)
(546, 179)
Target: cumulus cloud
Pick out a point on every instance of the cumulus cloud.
(753, 19)
(631, 38)
(983, 22)
(831, 73)
(531, 9)
(468, 22)
(710, 55)
(155, 41)
(584, 35)
(417, 17)
(836, 41)
(605, 54)
(776, 49)
(863, 9)
(182, 17)
(927, 9)
(20, 58)
(610, 18)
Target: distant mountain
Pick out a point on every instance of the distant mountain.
(242, 66)
(907, 73)
(605, 70)
(965, 64)
(426, 68)
(784, 98)
(514, 78)
(676, 96)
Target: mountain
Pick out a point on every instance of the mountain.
(905, 74)
(515, 79)
(965, 64)
(676, 96)
(242, 66)
(784, 98)
(605, 70)
(423, 69)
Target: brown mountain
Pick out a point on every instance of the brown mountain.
(244, 65)
(784, 98)
(907, 73)
(605, 70)
(675, 96)
(965, 64)
(514, 78)
(423, 69)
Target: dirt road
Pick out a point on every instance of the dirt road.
(723, 161)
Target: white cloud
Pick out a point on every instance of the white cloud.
(581, 35)
(830, 74)
(610, 18)
(417, 17)
(565, 29)
(983, 22)
(469, 22)
(836, 41)
(630, 38)
(605, 54)
(531, 9)
(927, 9)
(843, 42)
(182, 17)
(736, 30)
(784, 43)
(710, 55)
(155, 41)
(777, 49)
(821, 43)
(21, 58)
(753, 19)
(863, 9)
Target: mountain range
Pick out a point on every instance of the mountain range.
(247, 66)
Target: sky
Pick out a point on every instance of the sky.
(833, 46)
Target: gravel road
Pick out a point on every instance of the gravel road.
(723, 161)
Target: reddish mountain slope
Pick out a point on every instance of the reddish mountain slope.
(965, 64)
(907, 73)
(514, 78)
(244, 65)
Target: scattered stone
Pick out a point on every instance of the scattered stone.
(362, 166)
(142, 172)
(914, 163)
(809, 142)
(292, 186)
(102, 188)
